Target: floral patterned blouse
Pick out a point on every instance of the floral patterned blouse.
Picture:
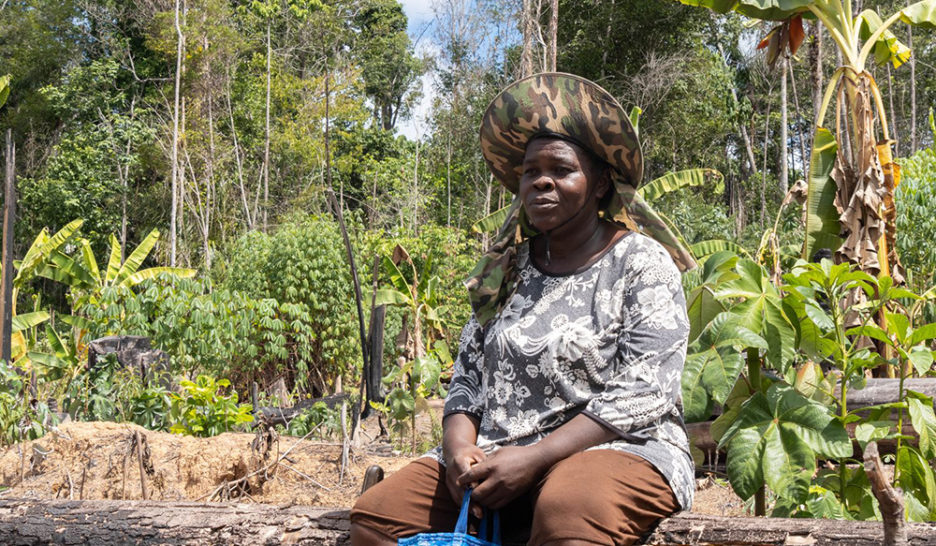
(608, 341)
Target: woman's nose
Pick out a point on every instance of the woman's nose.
(543, 182)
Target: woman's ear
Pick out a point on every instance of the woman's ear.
(604, 183)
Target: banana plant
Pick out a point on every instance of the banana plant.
(40, 251)
(867, 169)
(80, 272)
(419, 297)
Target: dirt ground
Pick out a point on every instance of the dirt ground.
(101, 461)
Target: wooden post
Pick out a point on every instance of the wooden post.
(889, 499)
(6, 282)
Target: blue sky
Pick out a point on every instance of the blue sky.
(419, 14)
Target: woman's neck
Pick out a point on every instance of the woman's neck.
(564, 251)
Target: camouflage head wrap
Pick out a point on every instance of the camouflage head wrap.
(575, 109)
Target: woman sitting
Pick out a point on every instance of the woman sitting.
(564, 410)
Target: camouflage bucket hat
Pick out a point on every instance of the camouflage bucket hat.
(563, 105)
(575, 109)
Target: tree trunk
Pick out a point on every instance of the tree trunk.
(553, 33)
(416, 193)
(798, 117)
(180, 41)
(6, 276)
(893, 113)
(526, 55)
(266, 136)
(913, 93)
(815, 64)
(124, 174)
(783, 163)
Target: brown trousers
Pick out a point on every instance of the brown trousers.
(600, 496)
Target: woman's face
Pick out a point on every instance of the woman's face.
(558, 181)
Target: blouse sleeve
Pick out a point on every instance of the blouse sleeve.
(465, 391)
(651, 347)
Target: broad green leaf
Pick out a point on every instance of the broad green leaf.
(719, 268)
(921, 14)
(819, 317)
(773, 10)
(922, 360)
(872, 431)
(387, 296)
(761, 311)
(745, 453)
(703, 249)
(888, 47)
(50, 367)
(898, 325)
(923, 333)
(702, 307)
(674, 181)
(715, 362)
(113, 263)
(871, 330)
(924, 422)
(915, 477)
(634, 118)
(697, 404)
(4, 88)
(822, 218)
(25, 321)
(89, 261)
(64, 269)
(153, 272)
(783, 431)
(396, 276)
(135, 260)
(491, 222)
(41, 248)
(788, 462)
(75, 321)
(823, 503)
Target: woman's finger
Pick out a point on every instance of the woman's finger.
(474, 474)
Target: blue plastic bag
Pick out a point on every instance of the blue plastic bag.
(460, 536)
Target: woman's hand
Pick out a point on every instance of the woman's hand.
(504, 476)
(456, 464)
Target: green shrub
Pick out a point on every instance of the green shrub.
(302, 266)
(916, 216)
(20, 418)
(203, 411)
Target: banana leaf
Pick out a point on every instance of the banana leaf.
(767, 10)
(922, 14)
(153, 272)
(133, 263)
(671, 182)
(704, 249)
(40, 250)
(28, 320)
(888, 47)
(491, 222)
(822, 222)
(4, 88)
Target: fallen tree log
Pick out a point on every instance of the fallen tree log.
(147, 522)
(686, 529)
(107, 523)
